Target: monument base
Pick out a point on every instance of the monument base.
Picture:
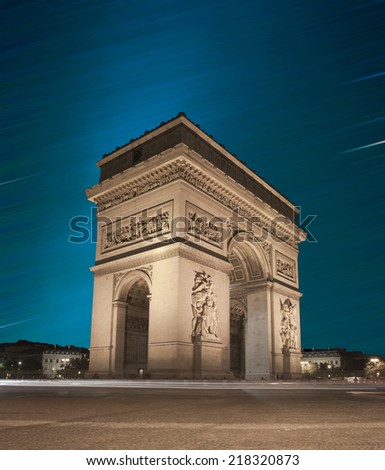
(210, 359)
(291, 364)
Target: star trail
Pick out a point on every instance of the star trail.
(262, 77)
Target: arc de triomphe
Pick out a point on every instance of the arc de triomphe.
(196, 272)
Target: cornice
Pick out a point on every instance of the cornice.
(181, 118)
(183, 167)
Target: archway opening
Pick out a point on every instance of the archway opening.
(136, 330)
(246, 273)
(237, 338)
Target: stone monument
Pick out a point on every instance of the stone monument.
(196, 272)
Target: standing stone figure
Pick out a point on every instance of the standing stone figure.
(288, 326)
(204, 307)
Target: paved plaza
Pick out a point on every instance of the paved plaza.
(191, 415)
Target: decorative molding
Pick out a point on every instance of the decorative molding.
(147, 270)
(266, 246)
(181, 169)
(204, 307)
(288, 329)
(238, 310)
(118, 276)
(125, 192)
(136, 261)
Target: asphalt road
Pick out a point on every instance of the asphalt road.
(183, 415)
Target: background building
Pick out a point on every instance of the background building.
(24, 359)
(322, 357)
(56, 362)
(334, 362)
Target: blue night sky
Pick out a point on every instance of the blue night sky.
(295, 88)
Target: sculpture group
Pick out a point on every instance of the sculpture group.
(288, 325)
(204, 307)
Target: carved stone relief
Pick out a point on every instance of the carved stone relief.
(118, 277)
(237, 312)
(204, 307)
(288, 325)
(147, 270)
(138, 227)
(201, 225)
(267, 249)
(285, 266)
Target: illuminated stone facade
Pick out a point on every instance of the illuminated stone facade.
(196, 263)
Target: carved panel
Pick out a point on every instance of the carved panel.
(145, 225)
(285, 267)
(203, 225)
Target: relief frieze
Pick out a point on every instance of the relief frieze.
(144, 225)
(203, 225)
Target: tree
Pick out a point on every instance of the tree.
(375, 368)
(308, 369)
(31, 363)
(74, 369)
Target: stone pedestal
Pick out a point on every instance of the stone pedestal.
(291, 364)
(210, 359)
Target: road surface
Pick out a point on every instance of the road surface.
(190, 415)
